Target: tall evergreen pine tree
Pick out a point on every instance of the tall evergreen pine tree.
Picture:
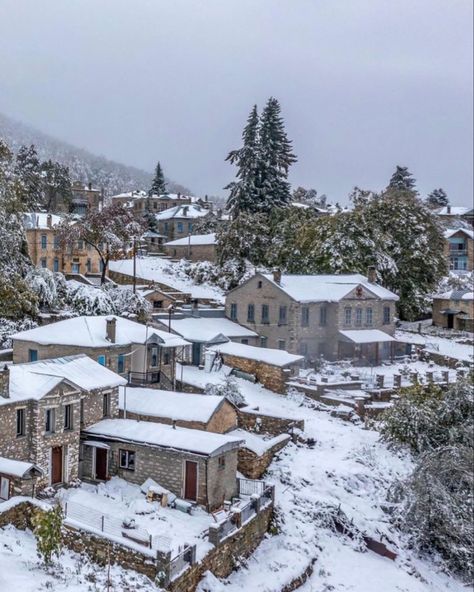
(158, 186)
(276, 157)
(244, 192)
(402, 180)
(437, 198)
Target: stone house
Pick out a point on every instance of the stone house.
(196, 247)
(205, 331)
(454, 310)
(194, 465)
(198, 412)
(45, 250)
(335, 316)
(141, 353)
(152, 242)
(44, 406)
(177, 222)
(85, 198)
(459, 249)
(159, 203)
(271, 367)
(127, 198)
(458, 214)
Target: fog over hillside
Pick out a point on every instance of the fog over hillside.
(113, 176)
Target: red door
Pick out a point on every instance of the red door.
(190, 481)
(101, 464)
(56, 465)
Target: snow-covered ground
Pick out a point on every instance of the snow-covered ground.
(441, 345)
(21, 570)
(348, 467)
(163, 271)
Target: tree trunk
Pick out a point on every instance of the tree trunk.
(104, 270)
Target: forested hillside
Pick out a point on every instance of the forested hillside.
(114, 177)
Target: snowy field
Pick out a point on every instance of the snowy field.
(22, 571)
(163, 271)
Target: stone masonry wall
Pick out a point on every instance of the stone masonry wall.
(253, 466)
(267, 424)
(196, 253)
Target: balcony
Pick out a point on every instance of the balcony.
(143, 378)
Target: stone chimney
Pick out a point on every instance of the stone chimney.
(111, 329)
(49, 221)
(4, 382)
(90, 186)
(372, 274)
(277, 276)
(448, 209)
(185, 210)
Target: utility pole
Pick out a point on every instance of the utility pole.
(134, 265)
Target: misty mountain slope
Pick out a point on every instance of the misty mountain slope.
(84, 166)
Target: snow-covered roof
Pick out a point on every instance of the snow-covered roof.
(164, 436)
(327, 288)
(453, 211)
(456, 294)
(169, 404)
(258, 444)
(130, 195)
(40, 220)
(451, 231)
(36, 379)
(367, 336)
(205, 329)
(18, 468)
(193, 240)
(163, 271)
(183, 211)
(91, 332)
(274, 357)
(151, 234)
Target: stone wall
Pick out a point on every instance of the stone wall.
(267, 424)
(195, 253)
(225, 558)
(272, 377)
(254, 466)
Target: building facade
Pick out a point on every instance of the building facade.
(178, 222)
(459, 249)
(332, 316)
(454, 310)
(196, 247)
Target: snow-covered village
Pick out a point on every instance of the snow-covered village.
(236, 348)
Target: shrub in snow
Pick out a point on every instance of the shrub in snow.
(226, 276)
(47, 530)
(88, 300)
(9, 327)
(228, 389)
(43, 283)
(435, 504)
(125, 301)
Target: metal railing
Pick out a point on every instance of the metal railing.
(249, 486)
(248, 511)
(181, 562)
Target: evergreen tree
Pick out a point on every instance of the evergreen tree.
(245, 192)
(276, 157)
(158, 185)
(28, 170)
(57, 189)
(48, 532)
(437, 198)
(402, 180)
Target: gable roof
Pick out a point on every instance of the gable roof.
(205, 329)
(183, 211)
(91, 332)
(170, 404)
(36, 379)
(452, 231)
(456, 294)
(326, 288)
(454, 211)
(193, 240)
(274, 357)
(18, 468)
(163, 436)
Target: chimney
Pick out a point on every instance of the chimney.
(372, 274)
(185, 210)
(448, 209)
(4, 382)
(206, 199)
(179, 195)
(111, 328)
(174, 424)
(90, 186)
(277, 276)
(49, 220)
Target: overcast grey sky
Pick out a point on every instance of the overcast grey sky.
(364, 84)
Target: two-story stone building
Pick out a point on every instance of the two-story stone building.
(459, 249)
(178, 222)
(334, 316)
(196, 247)
(44, 406)
(46, 251)
(141, 353)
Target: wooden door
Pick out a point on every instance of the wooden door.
(101, 464)
(190, 480)
(56, 465)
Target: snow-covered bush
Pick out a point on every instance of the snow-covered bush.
(125, 301)
(43, 283)
(88, 300)
(228, 389)
(226, 276)
(9, 327)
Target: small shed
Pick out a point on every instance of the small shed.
(17, 478)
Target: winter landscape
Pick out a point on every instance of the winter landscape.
(215, 377)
